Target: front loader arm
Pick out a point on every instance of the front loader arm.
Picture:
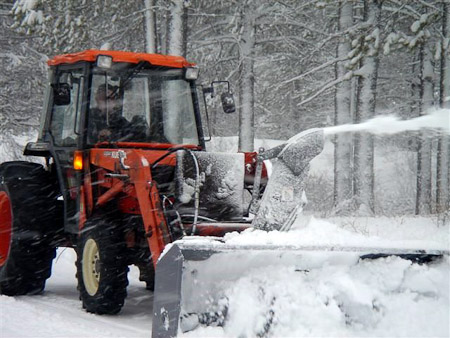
(127, 172)
(156, 228)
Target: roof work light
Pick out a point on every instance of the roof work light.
(104, 61)
(191, 73)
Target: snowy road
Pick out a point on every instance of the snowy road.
(58, 312)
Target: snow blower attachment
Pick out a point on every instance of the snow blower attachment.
(185, 276)
(196, 275)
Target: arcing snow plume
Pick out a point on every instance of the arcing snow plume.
(389, 124)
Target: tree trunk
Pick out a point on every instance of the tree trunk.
(343, 148)
(363, 143)
(423, 198)
(442, 184)
(176, 32)
(247, 79)
(150, 26)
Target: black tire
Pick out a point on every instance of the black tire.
(27, 226)
(147, 275)
(102, 267)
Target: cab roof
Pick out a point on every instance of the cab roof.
(121, 56)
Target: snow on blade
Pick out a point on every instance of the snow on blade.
(425, 235)
(383, 298)
(277, 291)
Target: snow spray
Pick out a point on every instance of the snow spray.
(438, 119)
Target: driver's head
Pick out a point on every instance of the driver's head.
(106, 97)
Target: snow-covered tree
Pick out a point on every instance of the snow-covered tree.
(150, 26)
(247, 16)
(442, 166)
(177, 32)
(68, 26)
(255, 44)
(423, 205)
(423, 29)
(22, 79)
(343, 147)
(369, 46)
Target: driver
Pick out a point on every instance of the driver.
(106, 122)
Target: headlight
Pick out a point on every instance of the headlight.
(191, 73)
(104, 61)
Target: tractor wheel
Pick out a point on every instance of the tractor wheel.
(102, 267)
(27, 217)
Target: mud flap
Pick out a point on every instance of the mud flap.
(193, 276)
(284, 194)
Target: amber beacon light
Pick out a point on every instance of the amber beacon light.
(78, 160)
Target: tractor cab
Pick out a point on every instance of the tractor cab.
(154, 106)
(109, 96)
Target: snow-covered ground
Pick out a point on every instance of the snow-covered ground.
(326, 297)
(58, 312)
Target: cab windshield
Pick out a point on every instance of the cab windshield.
(153, 106)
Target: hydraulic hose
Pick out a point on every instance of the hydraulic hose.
(196, 185)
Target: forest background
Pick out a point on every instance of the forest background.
(292, 64)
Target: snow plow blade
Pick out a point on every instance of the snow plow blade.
(193, 276)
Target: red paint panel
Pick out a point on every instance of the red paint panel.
(120, 56)
(5, 226)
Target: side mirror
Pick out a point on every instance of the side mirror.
(228, 103)
(61, 94)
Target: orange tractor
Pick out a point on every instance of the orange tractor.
(119, 133)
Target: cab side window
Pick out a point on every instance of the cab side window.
(66, 110)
